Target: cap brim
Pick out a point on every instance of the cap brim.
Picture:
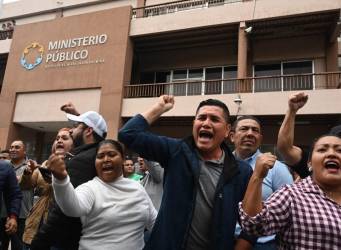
(74, 118)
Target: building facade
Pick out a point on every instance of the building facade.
(117, 57)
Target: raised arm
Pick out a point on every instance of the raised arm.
(69, 108)
(72, 202)
(285, 143)
(165, 103)
(252, 202)
(30, 176)
(136, 136)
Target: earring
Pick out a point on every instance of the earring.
(310, 168)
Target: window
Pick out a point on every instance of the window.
(162, 77)
(195, 77)
(291, 80)
(214, 77)
(230, 86)
(179, 76)
(147, 77)
(3, 63)
(297, 82)
(267, 83)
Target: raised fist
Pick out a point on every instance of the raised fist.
(264, 162)
(57, 166)
(166, 102)
(297, 101)
(69, 108)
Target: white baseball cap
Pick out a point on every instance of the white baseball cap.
(93, 120)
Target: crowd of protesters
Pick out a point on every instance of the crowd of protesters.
(173, 194)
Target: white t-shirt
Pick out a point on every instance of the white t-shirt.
(114, 215)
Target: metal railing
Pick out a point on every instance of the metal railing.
(327, 80)
(6, 34)
(171, 7)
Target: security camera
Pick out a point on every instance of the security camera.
(238, 100)
(248, 30)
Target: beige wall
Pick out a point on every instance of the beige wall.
(72, 7)
(267, 103)
(5, 46)
(152, 2)
(45, 106)
(228, 13)
(109, 75)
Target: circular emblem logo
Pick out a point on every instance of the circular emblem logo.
(39, 58)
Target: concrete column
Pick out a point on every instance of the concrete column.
(242, 51)
(331, 56)
(242, 72)
(140, 3)
(332, 63)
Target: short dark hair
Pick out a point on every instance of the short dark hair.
(217, 103)
(21, 141)
(5, 151)
(245, 117)
(116, 145)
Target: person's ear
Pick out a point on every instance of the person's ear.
(88, 131)
(228, 130)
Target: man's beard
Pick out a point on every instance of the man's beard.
(78, 140)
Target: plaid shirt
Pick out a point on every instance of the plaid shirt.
(301, 215)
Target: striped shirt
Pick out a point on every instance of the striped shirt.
(301, 215)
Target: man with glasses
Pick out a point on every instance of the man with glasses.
(88, 130)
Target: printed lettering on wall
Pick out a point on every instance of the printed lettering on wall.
(63, 53)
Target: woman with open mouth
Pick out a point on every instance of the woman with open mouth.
(304, 215)
(114, 210)
(40, 178)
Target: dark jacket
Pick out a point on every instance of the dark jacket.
(181, 163)
(59, 229)
(9, 188)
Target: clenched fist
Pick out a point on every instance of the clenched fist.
(264, 162)
(166, 102)
(57, 166)
(297, 101)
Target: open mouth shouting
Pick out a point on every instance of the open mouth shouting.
(60, 146)
(205, 136)
(332, 166)
(107, 168)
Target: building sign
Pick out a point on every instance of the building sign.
(37, 60)
(64, 53)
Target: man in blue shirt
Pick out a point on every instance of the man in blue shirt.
(247, 137)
